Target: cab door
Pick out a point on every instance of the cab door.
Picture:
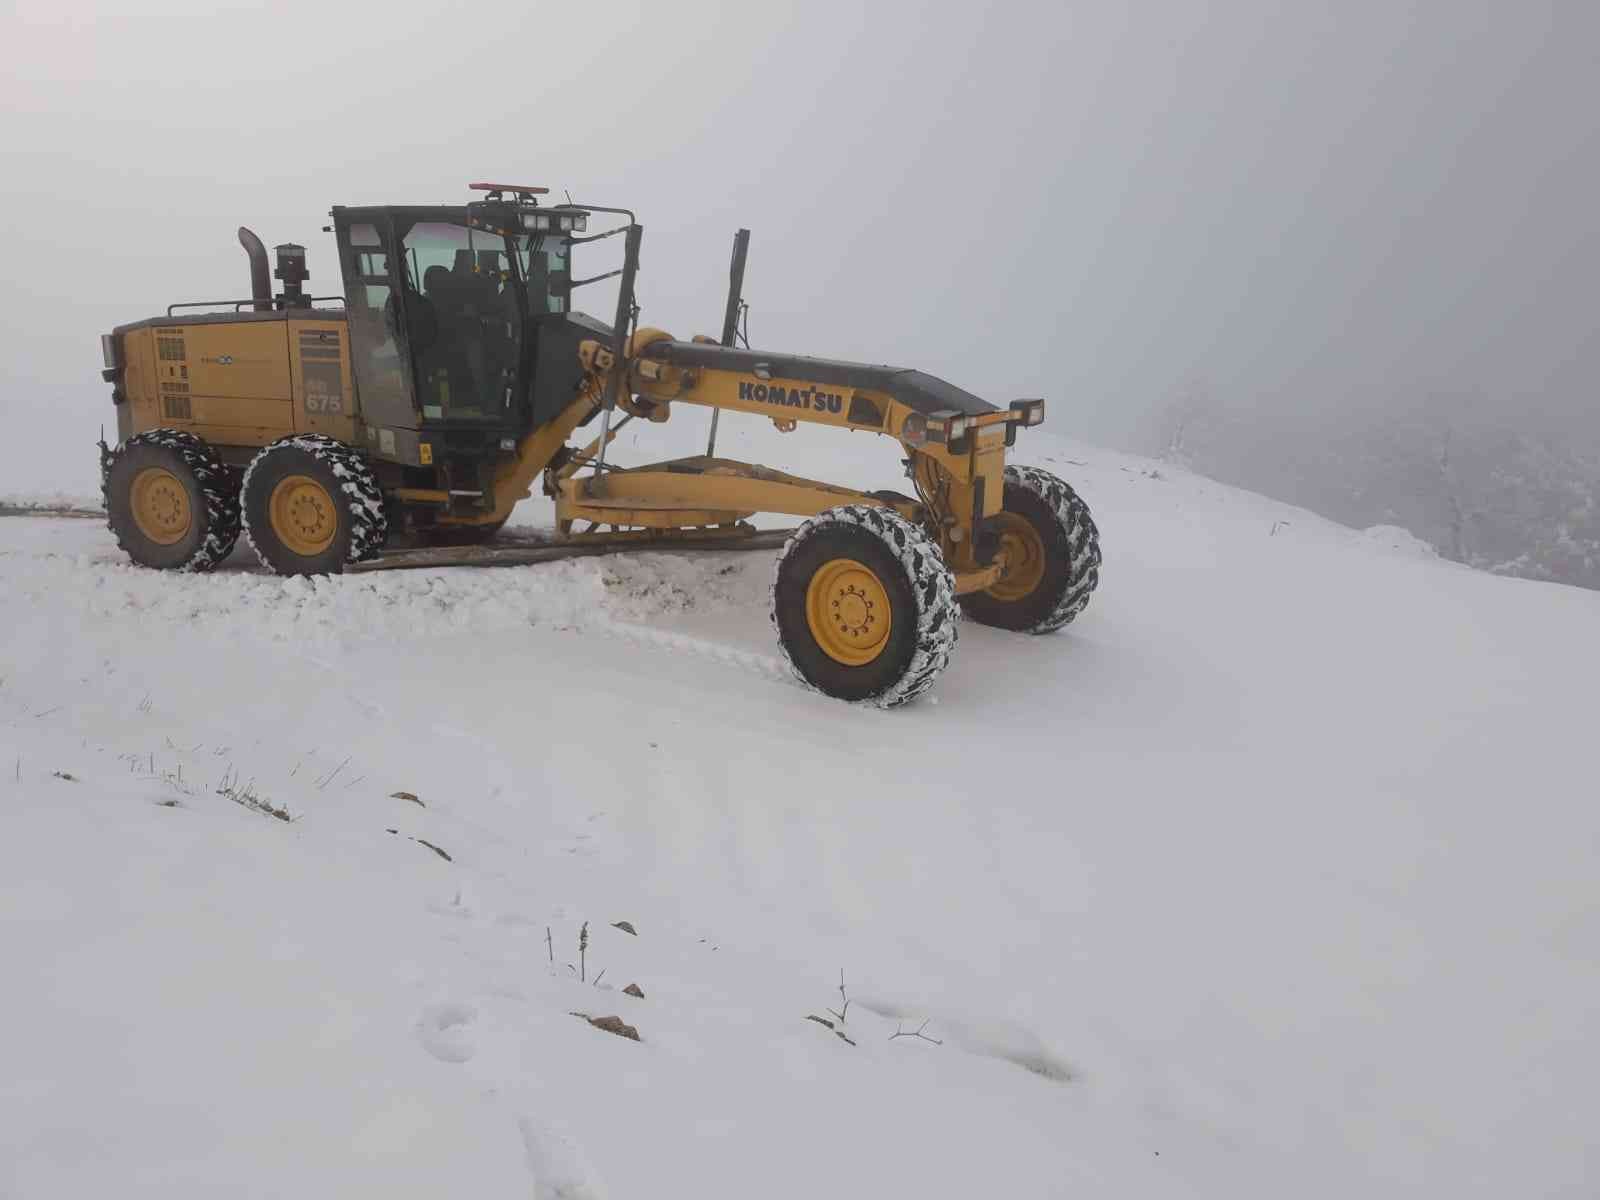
(379, 363)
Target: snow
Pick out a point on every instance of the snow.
(1400, 540)
(1272, 874)
(50, 501)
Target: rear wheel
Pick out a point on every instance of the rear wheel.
(170, 501)
(311, 506)
(864, 606)
(1052, 553)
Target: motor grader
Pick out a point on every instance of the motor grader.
(425, 401)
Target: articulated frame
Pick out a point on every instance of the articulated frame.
(959, 483)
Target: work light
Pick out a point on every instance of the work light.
(1031, 411)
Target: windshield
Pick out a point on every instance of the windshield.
(544, 259)
(463, 319)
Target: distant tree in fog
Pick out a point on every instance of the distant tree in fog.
(1516, 499)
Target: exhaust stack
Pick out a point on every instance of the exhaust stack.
(260, 276)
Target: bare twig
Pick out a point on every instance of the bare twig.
(326, 780)
(246, 796)
(916, 1033)
(583, 950)
(840, 1014)
(549, 945)
(599, 977)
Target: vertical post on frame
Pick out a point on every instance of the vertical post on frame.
(730, 316)
(619, 367)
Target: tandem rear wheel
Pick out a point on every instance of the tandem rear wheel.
(311, 506)
(170, 502)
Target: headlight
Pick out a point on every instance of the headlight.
(948, 425)
(1031, 411)
(551, 222)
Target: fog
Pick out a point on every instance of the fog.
(1298, 208)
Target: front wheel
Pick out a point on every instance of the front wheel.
(1052, 553)
(864, 606)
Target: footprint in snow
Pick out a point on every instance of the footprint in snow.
(558, 1167)
(445, 1031)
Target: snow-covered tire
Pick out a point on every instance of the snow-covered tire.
(327, 504)
(1048, 526)
(191, 505)
(904, 573)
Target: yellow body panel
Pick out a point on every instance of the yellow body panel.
(244, 361)
(746, 393)
(241, 383)
(178, 377)
(319, 369)
(140, 410)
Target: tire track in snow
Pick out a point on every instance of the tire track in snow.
(767, 666)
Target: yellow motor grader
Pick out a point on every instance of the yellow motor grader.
(423, 403)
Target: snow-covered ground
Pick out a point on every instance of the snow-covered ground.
(1273, 875)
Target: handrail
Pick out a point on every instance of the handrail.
(239, 304)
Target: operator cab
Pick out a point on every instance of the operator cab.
(446, 307)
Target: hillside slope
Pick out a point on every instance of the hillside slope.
(1271, 875)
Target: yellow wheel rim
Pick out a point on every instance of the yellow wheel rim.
(848, 611)
(303, 515)
(160, 505)
(1024, 550)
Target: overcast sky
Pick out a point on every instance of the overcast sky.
(1312, 205)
